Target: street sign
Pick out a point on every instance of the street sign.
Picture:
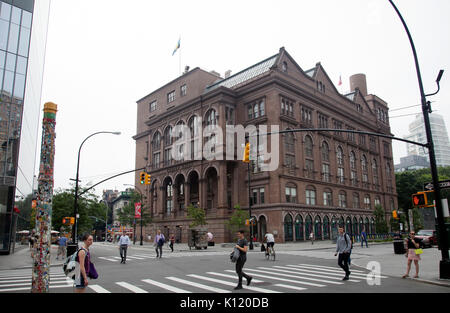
(444, 184)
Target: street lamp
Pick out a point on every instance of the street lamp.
(75, 212)
(142, 210)
(444, 265)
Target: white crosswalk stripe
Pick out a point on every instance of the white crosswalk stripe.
(272, 279)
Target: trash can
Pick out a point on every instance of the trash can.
(399, 247)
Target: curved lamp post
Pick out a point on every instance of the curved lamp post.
(444, 265)
(75, 212)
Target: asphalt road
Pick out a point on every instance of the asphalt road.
(205, 271)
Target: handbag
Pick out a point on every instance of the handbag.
(263, 248)
(418, 251)
(92, 271)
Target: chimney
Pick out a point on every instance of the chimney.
(359, 81)
(227, 73)
(186, 69)
(215, 73)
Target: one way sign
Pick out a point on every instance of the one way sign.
(442, 184)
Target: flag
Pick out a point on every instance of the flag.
(177, 47)
(340, 81)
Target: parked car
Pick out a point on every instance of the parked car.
(428, 237)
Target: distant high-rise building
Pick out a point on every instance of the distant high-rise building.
(23, 37)
(440, 139)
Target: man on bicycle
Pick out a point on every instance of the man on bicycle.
(268, 237)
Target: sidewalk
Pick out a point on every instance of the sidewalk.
(391, 264)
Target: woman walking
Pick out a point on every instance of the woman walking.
(84, 259)
(412, 245)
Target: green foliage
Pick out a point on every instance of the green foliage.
(381, 226)
(417, 219)
(198, 214)
(237, 220)
(126, 214)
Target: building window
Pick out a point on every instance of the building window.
(327, 198)
(229, 116)
(291, 194)
(156, 160)
(183, 90)
(261, 196)
(168, 146)
(323, 121)
(171, 96)
(254, 197)
(325, 152)
(377, 201)
(325, 172)
(287, 107)
(356, 201)
(169, 198)
(256, 109)
(367, 202)
(306, 115)
(342, 200)
(310, 196)
(153, 106)
(375, 174)
(337, 125)
(284, 67)
(340, 163)
(308, 147)
(362, 140)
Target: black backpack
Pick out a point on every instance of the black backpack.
(346, 241)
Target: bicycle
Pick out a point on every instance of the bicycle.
(270, 253)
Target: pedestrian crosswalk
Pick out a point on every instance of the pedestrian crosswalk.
(143, 256)
(266, 279)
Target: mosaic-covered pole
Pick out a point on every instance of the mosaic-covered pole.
(41, 262)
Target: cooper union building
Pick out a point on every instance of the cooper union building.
(323, 179)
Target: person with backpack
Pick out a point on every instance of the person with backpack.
(172, 241)
(364, 238)
(83, 258)
(159, 243)
(343, 247)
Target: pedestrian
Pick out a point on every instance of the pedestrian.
(172, 241)
(83, 258)
(242, 245)
(311, 237)
(159, 243)
(412, 244)
(343, 247)
(364, 238)
(62, 246)
(124, 242)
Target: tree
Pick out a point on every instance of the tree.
(381, 226)
(198, 214)
(126, 214)
(417, 219)
(237, 219)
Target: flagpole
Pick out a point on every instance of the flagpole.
(179, 63)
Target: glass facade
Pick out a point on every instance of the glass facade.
(23, 32)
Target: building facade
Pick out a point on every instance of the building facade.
(23, 36)
(323, 178)
(412, 162)
(440, 139)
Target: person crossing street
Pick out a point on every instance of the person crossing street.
(124, 242)
(343, 247)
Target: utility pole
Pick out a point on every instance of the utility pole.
(41, 264)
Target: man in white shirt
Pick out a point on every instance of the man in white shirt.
(124, 242)
(270, 240)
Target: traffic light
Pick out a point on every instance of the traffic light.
(419, 199)
(394, 214)
(72, 220)
(246, 158)
(142, 175)
(64, 221)
(148, 179)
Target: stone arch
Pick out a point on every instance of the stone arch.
(288, 227)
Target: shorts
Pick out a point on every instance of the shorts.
(270, 244)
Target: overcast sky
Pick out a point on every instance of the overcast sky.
(104, 55)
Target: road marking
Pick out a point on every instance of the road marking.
(131, 287)
(98, 289)
(201, 286)
(232, 276)
(328, 268)
(338, 272)
(232, 284)
(282, 279)
(291, 287)
(134, 257)
(164, 286)
(307, 273)
(107, 259)
(274, 272)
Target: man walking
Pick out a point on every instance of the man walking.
(159, 242)
(124, 242)
(242, 245)
(62, 246)
(364, 238)
(343, 247)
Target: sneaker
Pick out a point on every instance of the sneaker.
(249, 281)
(238, 287)
(345, 278)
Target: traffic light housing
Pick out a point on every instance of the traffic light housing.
(148, 179)
(394, 214)
(72, 220)
(419, 199)
(142, 176)
(246, 158)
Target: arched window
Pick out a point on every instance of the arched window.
(169, 196)
(308, 147)
(328, 197)
(375, 173)
(325, 152)
(353, 173)
(156, 147)
(211, 118)
(177, 134)
(168, 146)
(340, 165)
(211, 123)
(289, 145)
(194, 129)
(288, 233)
(309, 157)
(352, 160)
(365, 176)
(342, 199)
(291, 193)
(356, 204)
(367, 202)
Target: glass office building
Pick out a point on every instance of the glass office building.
(23, 36)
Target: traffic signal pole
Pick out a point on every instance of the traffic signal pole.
(444, 266)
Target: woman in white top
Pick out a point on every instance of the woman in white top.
(83, 257)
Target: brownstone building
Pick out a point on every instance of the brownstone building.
(324, 178)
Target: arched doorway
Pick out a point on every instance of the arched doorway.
(317, 228)
(334, 227)
(299, 228)
(326, 228)
(355, 226)
(168, 196)
(348, 225)
(211, 188)
(288, 234)
(193, 188)
(179, 195)
(308, 226)
(262, 226)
